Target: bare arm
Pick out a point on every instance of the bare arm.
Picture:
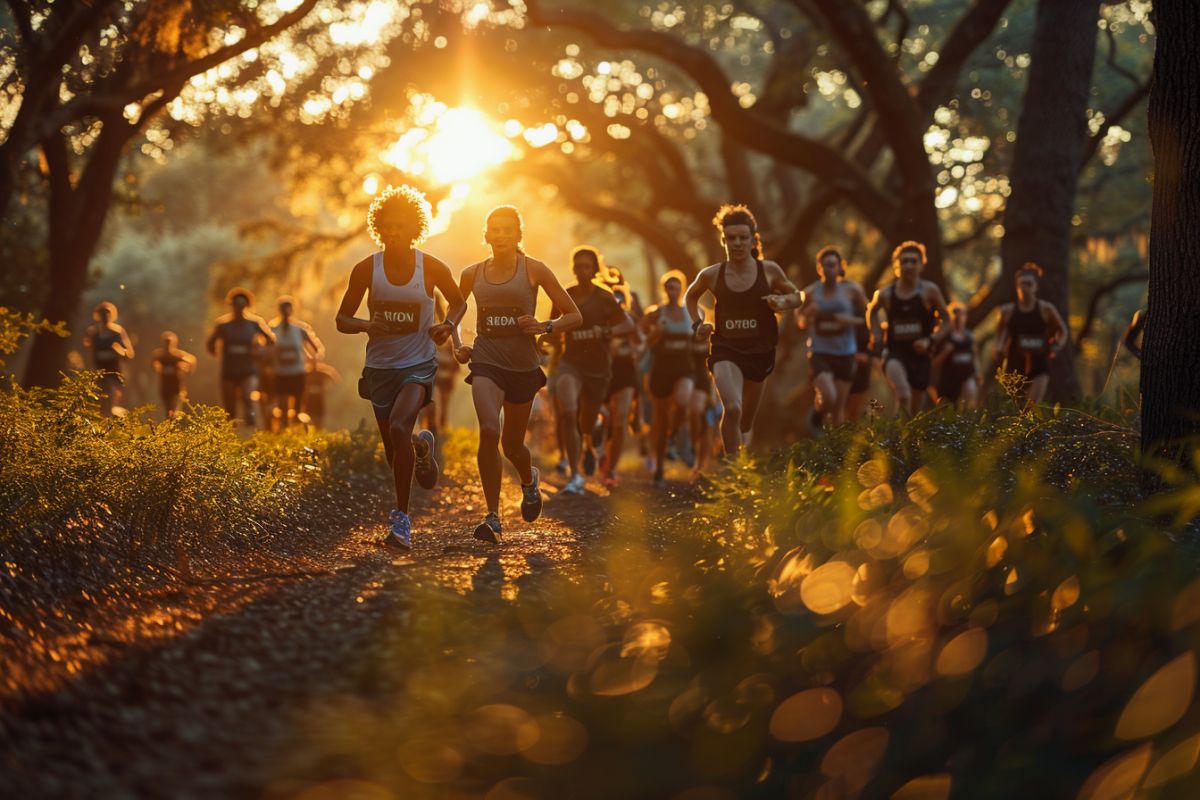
(1134, 331)
(874, 324)
(210, 344)
(466, 282)
(619, 322)
(784, 294)
(265, 331)
(543, 277)
(316, 346)
(691, 300)
(126, 345)
(943, 312)
(356, 289)
(456, 306)
(1001, 342)
(1060, 332)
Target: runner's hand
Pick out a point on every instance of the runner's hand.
(439, 333)
(921, 345)
(703, 330)
(529, 324)
(862, 358)
(777, 302)
(377, 326)
(463, 354)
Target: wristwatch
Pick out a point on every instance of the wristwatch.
(549, 326)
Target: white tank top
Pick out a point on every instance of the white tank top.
(289, 349)
(408, 309)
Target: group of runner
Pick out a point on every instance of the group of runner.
(610, 361)
(274, 366)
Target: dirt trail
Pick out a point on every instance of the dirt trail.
(192, 694)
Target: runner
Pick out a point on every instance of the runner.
(862, 373)
(1030, 333)
(621, 391)
(913, 307)
(109, 345)
(833, 310)
(585, 368)
(668, 330)
(241, 335)
(172, 364)
(320, 376)
(957, 356)
(748, 292)
(505, 374)
(402, 338)
(294, 340)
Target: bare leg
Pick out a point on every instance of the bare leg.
(400, 422)
(729, 381)
(969, 394)
(897, 378)
(229, 395)
(619, 418)
(488, 399)
(1036, 392)
(512, 439)
(681, 397)
(567, 389)
(751, 396)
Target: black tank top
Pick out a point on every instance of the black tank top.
(587, 346)
(104, 350)
(237, 347)
(961, 360)
(1027, 332)
(745, 323)
(909, 319)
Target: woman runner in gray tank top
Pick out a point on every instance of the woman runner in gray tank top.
(505, 374)
(833, 310)
(402, 338)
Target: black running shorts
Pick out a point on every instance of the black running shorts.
(592, 387)
(842, 367)
(624, 375)
(754, 366)
(862, 376)
(916, 368)
(518, 387)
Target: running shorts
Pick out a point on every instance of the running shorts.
(382, 386)
(842, 367)
(518, 387)
(754, 366)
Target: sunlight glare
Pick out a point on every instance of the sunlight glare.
(456, 144)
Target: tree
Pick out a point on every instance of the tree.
(1171, 349)
(1051, 137)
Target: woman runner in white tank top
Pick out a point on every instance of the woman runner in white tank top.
(398, 377)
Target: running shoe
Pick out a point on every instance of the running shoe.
(489, 529)
(426, 468)
(400, 535)
(531, 498)
(603, 465)
(589, 461)
(816, 422)
(659, 480)
(687, 454)
(575, 485)
(609, 480)
(562, 466)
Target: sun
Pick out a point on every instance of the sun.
(450, 145)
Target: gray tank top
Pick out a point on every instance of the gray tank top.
(408, 310)
(499, 340)
(828, 335)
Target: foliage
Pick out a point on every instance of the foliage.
(869, 612)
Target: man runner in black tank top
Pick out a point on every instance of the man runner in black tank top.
(581, 380)
(914, 308)
(749, 292)
(241, 336)
(1030, 333)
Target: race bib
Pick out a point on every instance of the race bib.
(401, 318)
(905, 330)
(168, 369)
(1031, 344)
(499, 321)
(592, 334)
(238, 349)
(829, 326)
(289, 355)
(740, 328)
(963, 358)
(675, 342)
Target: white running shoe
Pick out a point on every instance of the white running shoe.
(575, 485)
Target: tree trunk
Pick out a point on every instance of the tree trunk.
(1171, 348)
(1051, 136)
(77, 216)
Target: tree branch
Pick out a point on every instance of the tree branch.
(1103, 291)
(752, 129)
(972, 29)
(1132, 101)
(91, 105)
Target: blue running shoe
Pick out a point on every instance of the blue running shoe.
(401, 530)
